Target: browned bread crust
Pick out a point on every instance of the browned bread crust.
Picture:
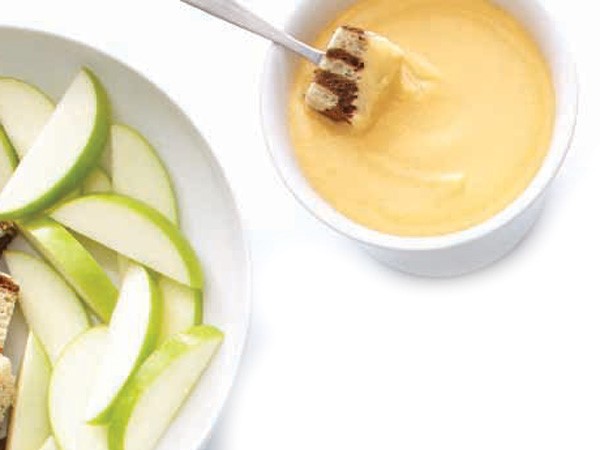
(8, 231)
(334, 89)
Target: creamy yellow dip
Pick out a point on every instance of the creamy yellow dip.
(460, 133)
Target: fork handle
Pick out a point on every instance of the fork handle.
(238, 15)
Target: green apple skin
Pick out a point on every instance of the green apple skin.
(89, 155)
(75, 215)
(107, 258)
(77, 266)
(29, 423)
(50, 444)
(139, 173)
(8, 157)
(96, 182)
(24, 110)
(124, 324)
(106, 158)
(70, 385)
(182, 307)
(51, 308)
(179, 362)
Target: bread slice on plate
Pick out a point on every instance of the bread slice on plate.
(9, 294)
(7, 386)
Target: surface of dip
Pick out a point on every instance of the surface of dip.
(459, 135)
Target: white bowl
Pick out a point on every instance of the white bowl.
(209, 215)
(446, 255)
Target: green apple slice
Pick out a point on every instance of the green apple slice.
(70, 387)
(8, 158)
(51, 308)
(74, 263)
(34, 110)
(182, 307)
(135, 162)
(135, 230)
(65, 151)
(160, 387)
(139, 173)
(96, 182)
(24, 111)
(50, 444)
(29, 422)
(133, 332)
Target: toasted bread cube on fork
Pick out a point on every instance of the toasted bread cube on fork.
(354, 76)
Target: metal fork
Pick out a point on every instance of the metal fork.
(238, 15)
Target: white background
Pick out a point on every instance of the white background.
(344, 353)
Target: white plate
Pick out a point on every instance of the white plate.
(209, 214)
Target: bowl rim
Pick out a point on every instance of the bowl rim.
(562, 137)
(245, 253)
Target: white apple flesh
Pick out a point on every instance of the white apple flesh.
(133, 333)
(134, 230)
(51, 308)
(29, 422)
(67, 148)
(50, 444)
(139, 173)
(182, 307)
(70, 387)
(160, 387)
(24, 111)
(96, 182)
